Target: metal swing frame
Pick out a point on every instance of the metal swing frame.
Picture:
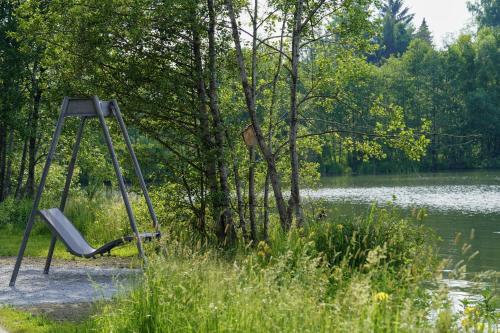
(85, 108)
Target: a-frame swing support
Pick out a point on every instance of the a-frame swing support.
(87, 108)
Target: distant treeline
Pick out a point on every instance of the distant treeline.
(456, 88)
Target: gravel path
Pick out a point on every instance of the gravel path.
(68, 282)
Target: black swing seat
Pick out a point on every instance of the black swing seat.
(73, 239)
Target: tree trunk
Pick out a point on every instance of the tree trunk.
(251, 195)
(226, 223)
(3, 159)
(265, 231)
(208, 153)
(239, 197)
(202, 222)
(250, 103)
(294, 201)
(8, 172)
(22, 167)
(32, 148)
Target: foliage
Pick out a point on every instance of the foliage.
(481, 316)
(286, 286)
(487, 12)
(14, 213)
(423, 32)
(396, 30)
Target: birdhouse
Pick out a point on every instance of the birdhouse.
(249, 136)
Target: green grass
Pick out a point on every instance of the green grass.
(16, 321)
(38, 245)
(100, 220)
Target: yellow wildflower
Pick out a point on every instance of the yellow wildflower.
(263, 250)
(381, 297)
(471, 310)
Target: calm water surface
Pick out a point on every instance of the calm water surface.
(455, 202)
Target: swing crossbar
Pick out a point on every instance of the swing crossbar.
(84, 107)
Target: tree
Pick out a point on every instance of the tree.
(249, 90)
(424, 33)
(396, 10)
(9, 64)
(304, 84)
(487, 12)
(172, 84)
(396, 29)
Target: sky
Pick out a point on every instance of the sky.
(444, 17)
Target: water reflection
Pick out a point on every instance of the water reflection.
(466, 199)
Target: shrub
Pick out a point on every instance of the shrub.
(14, 213)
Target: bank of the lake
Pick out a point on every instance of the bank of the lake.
(463, 208)
(455, 202)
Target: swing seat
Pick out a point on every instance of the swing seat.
(74, 241)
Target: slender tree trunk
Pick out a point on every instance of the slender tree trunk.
(209, 155)
(239, 198)
(8, 172)
(32, 148)
(251, 195)
(3, 159)
(251, 150)
(294, 201)
(22, 167)
(203, 203)
(265, 231)
(250, 103)
(226, 220)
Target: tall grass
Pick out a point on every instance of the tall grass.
(100, 218)
(366, 276)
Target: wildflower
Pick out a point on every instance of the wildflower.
(479, 327)
(471, 311)
(263, 248)
(340, 227)
(381, 297)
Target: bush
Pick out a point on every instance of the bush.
(14, 213)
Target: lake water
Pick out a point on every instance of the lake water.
(456, 202)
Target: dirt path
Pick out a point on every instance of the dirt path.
(69, 282)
